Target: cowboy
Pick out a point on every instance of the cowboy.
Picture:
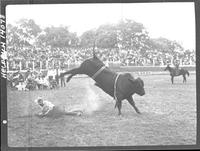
(48, 109)
(62, 81)
(177, 67)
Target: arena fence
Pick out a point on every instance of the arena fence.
(137, 70)
(147, 70)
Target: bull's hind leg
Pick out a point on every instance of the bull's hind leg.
(131, 101)
(72, 73)
(119, 106)
(172, 79)
(69, 77)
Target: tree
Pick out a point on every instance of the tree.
(21, 38)
(74, 40)
(131, 35)
(13, 38)
(87, 39)
(166, 46)
(28, 31)
(107, 36)
(57, 37)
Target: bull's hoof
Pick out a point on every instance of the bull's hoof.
(138, 112)
(119, 114)
(79, 114)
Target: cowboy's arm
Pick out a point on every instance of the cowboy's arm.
(45, 110)
(43, 113)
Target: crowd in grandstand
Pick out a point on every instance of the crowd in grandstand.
(37, 64)
(65, 57)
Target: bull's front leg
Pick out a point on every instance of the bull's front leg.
(131, 101)
(72, 73)
(118, 104)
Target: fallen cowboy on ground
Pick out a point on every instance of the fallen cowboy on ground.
(48, 109)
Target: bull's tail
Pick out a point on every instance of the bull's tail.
(93, 50)
(116, 103)
(94, 45)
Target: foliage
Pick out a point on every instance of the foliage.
(21, 36)
(87, 39)
(126, 35)
(57, 37)
(106, 36)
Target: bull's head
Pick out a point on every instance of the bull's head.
(138, 86)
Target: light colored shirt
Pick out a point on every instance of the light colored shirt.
(48, 106)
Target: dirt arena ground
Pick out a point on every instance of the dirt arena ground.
(168, 116)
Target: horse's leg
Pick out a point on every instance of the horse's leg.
(172, 79)
(131, 101)
(184, 78)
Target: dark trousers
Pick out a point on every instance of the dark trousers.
(57, 111)
(63, 84)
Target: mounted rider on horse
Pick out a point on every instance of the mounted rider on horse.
(177, 69)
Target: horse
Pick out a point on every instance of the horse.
(118, 86)
(177, 72)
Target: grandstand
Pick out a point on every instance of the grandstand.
(73, 57)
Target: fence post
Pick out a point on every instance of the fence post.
(14, 64)
(127, 62)
(20, 65)
(190, 61)
(153, 62)
(59, 64)
(181, 62)
(47, 65)
(27, 62)
(40, 64)
(68, 62)
(53, 62)
(33, 65)
(7, 65)
(171, 61)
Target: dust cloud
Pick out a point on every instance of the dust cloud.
(91, 101)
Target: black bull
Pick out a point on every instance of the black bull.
(121, 86)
